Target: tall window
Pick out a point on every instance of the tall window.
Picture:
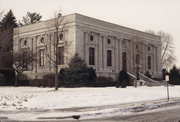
(124, 60)
(109, 58)
(60, 55)
(91, 56)
(149, 62)
(24, 56)
(137, 59)
(41, 57)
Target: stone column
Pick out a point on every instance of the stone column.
(146, 55)
(35, 50)
(104, 52)
(154, 59)
(116, 56)
(130, 56)
(120, 54)
(85, 34)
(103, 45)
(100, 58)
(32, 49)
(144, 58)
(141, 57)
(134, 55)
(86, 47)
(97, 52)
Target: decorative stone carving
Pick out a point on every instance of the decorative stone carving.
(124, 45)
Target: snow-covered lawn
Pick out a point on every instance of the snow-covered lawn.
(34, 98)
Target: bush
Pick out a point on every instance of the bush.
(2, 79)
(77, 74)
(9, 76)
(174, 76)
(50, 82)
(23, 83)
(103, 81)
(38, 82)
(123, 79)
(49, 76)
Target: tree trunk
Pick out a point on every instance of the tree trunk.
(16, 81)
(56, 78)
(56, 59)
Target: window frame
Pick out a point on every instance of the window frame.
(109, 58)
(91, 56)
(41, 57)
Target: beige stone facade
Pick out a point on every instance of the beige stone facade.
(112, 46)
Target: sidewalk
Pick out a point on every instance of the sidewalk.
(110, 110)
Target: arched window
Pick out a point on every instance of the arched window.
(42, 39)
(137, 46)
(61, 36)
(91, 38)
(109, 41)
(25, 42)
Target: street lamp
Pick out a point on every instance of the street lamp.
(167, 81)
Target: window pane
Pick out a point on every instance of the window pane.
(91, 56)
(109, 58)
(41, 57)
(137, 59)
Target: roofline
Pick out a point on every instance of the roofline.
(94, 19)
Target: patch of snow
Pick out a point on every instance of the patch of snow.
(34, 98)
(30, 102)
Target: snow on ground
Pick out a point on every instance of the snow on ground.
(35, 98)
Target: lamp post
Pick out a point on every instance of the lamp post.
(167, 81)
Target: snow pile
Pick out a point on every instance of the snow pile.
(34, 98)
(12, 101)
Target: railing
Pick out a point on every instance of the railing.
(132, 78)
(145, 78)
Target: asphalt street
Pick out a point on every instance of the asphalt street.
(170, 114)
(164, 114)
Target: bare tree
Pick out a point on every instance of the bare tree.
(31, 18)
(21, 60)
(167, 49)
(57, 27)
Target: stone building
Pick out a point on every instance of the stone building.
(104, 46)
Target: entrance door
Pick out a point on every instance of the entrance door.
(124, 60)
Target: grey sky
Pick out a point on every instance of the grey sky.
(138, 14)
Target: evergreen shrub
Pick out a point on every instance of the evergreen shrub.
(77, 74)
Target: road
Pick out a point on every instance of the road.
(165, 114)
(170, 114)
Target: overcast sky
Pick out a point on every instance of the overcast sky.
(138, 14)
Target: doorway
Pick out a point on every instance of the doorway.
(124, 60)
